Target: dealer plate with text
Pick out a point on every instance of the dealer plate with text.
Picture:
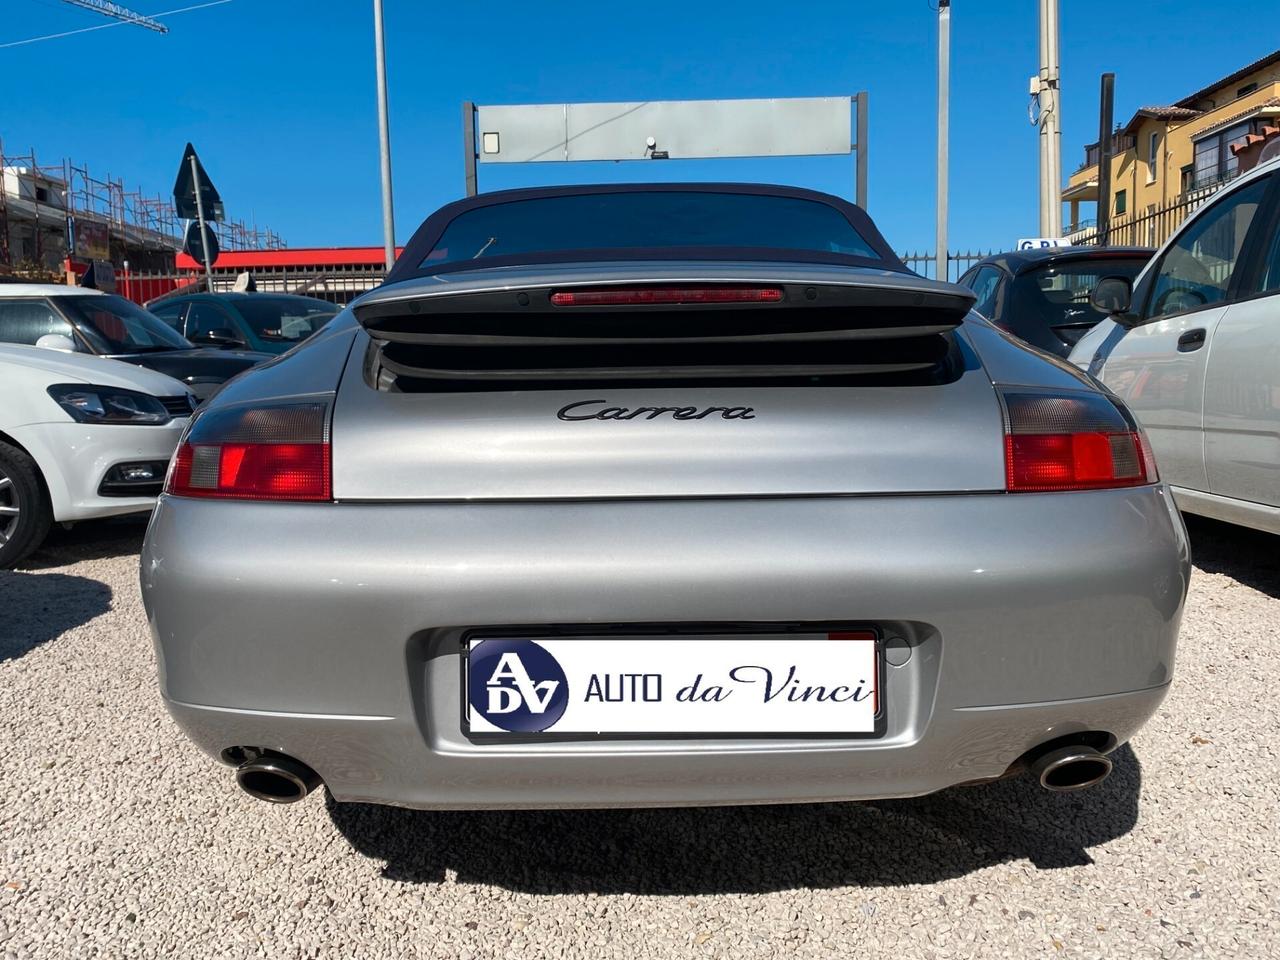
(821, 684)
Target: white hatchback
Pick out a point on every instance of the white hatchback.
(80, 437)
(1193, 349)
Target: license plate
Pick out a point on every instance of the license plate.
(788, 683)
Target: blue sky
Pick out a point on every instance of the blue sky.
(278, 95)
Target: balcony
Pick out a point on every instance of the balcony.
(1119, 144)
(1081, 191)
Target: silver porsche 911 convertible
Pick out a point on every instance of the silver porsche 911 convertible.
(661, 494)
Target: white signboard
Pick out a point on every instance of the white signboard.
(1035, 243)
(772, 684)
(662, 129)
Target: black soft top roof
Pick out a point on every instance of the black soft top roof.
(410, 262)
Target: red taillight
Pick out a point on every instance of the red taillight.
(265, 471)
(1075, 461)
(1072, 442)
(263, 453)
(645, 295)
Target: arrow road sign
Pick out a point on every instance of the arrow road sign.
(184, 190)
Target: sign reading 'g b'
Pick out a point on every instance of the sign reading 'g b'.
(1037, 243)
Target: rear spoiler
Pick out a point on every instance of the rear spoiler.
(520, 316)
(573, 334)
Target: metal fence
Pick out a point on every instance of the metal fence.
(1150, 228)
(340, 284)
(926, 264)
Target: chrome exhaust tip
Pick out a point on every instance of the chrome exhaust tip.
(276, 778)
(1074, 767)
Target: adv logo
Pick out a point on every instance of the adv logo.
(516, 685)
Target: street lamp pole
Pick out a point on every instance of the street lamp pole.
(944, 109)
(384, 137)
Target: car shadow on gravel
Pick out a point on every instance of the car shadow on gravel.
(90, 540)
(1249, 556)
(35, 609)
(718, 850)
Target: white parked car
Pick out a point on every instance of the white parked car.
(80, 437)
(80, 320)
(1193, 348)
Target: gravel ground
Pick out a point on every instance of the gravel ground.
(119, 839)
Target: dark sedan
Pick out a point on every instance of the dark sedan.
(268, 322)
(1042, 295)
(88, 321)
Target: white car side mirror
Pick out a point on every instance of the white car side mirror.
(56, 341)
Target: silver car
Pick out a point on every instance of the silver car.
(644, 495)
(1194, 350)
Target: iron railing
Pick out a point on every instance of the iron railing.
(338, 284)
(1081, 225)
(1150, 228)
(926, 264)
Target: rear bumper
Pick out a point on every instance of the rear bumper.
(332, 632)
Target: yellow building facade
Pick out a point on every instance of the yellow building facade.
(1167, 154)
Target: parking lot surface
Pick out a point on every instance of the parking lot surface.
(120, 839)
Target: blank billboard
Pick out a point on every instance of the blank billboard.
(678, 129)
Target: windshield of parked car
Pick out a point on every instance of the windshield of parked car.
(643, 221)
(113, 325)
(1059, 292)
(285, 318)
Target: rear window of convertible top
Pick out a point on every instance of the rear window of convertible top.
(646, 220)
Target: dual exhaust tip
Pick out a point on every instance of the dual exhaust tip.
(277, 778)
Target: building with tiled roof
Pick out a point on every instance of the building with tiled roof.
(1165, 153)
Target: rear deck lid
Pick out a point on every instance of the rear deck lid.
(663, 379)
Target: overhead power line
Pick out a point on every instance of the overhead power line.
(117, 12)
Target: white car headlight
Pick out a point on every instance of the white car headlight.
(87, 403)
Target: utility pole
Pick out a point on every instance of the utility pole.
(1045, 90)
(944, 108)
(1106, 109)
(384, 137)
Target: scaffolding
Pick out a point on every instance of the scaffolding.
(39, 201)
(32, 214)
